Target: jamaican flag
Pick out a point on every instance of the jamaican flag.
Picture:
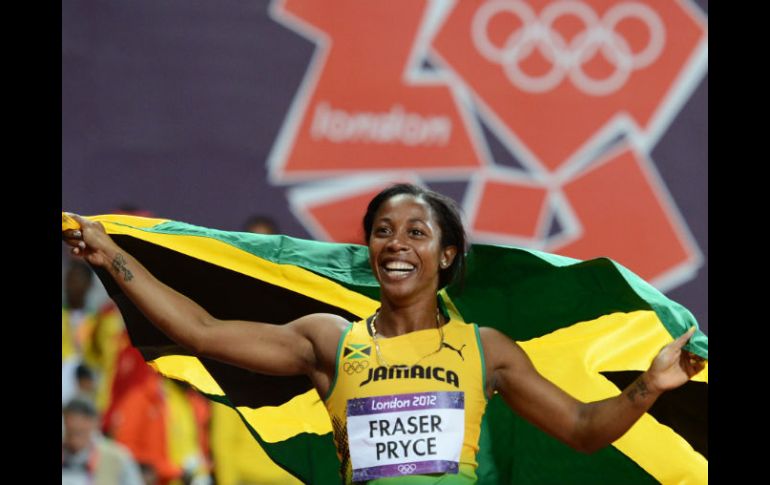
(590, 327)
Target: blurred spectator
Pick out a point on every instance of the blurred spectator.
(89, 338)
(149, 475)
(130, 373)
(138, 421)
(88, 457)
(260, 224)
(165, 425)
(86, 382)
(190, 416)
(108, 339)
(77, 324)
(77, 282)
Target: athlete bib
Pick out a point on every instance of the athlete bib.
(405, 434)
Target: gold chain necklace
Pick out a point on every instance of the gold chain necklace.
(382, 361)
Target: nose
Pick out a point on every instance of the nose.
(396, 244)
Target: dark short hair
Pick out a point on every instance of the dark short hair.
(82, 371)
(82, 406)
(447, 214)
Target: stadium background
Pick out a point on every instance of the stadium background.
(210, 112)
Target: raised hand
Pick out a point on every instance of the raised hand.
(673, 366)
(90, 241)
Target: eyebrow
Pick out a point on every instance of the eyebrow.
(414, 219)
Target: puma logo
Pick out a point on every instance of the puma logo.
(459, 351)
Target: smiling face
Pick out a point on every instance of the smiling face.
(405, 249)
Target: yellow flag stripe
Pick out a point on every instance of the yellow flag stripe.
(222, 254)
(305, 413)
(619, 342)
(189, 369)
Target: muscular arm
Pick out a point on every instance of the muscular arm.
(586, 427)
(304, 346)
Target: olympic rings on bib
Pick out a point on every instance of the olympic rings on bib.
(355, 366)
(407, 469)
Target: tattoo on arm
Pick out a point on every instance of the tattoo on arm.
(638, 388)
(119, 266)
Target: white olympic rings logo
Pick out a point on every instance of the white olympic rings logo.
(567, 59)
(407, 469)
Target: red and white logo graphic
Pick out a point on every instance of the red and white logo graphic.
(363, 105)
(578, 92)
(567, 58)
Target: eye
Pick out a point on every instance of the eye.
(381, 231)
(416, 232)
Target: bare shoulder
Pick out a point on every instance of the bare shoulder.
(320, 323)
(323, 330)
(493, 339)
(319, 327)
(491, 334)
(499, 349)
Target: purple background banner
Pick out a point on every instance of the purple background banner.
(175, 107)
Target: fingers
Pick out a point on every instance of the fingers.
(74, 222)
(72, 233)
(76, 244)
(692, 363)
(77, 218)
(71, 225)
(87, 225)
(74, 239)
(78, 227)
(679, 342)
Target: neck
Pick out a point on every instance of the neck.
(393, 320)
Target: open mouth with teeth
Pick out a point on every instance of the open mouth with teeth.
(398, 269)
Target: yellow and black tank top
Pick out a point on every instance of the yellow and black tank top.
(408, 414)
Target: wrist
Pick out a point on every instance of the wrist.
(650, 383)
(643, 391)
(107, 250)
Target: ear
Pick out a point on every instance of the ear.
(447, 256)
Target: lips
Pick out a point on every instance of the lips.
(398, 266)
(397, 269)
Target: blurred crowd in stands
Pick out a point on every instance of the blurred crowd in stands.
(125, 424)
